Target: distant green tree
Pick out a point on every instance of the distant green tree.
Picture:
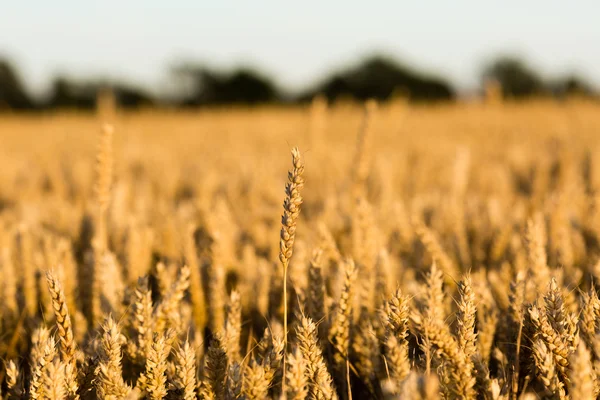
(380, 77)
(12, 93)
(516, 79)
(573, 84)
(66, 93)
(242, 86)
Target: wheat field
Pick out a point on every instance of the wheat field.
(322, 252)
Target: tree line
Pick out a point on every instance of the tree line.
(376, 77)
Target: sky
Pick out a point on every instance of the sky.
(297, 43)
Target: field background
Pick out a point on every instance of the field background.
(475, 189)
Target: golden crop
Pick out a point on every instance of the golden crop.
(420, 252)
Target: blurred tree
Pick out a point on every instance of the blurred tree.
(12, 93)
(380, 77)
(66, 93)
(515, 78)
(573, 85)
(205, 86)
(247, 86)
(131, 97)
(376, 77)
(335, 87)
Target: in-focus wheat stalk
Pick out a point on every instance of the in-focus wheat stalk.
(289, 221)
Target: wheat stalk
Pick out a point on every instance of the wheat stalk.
(233, 327)
(289, 220)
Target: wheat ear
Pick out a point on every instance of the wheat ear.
(233, 327)
(297, 388)
(185, 379)
(215, 371)
(289, 220)
(41, 362)
(63, 319)
(142, 320)
(319, 378)
(13, 380)
(582, 377)
(396, 346)
(65, 333)
(342, 322)
(154, 379)
(466, 318)
(55, 380)
(109, 372)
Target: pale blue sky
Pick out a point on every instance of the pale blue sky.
(296, 42)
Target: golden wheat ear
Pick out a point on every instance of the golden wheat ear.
(68, 346)
(41, 363)
(297, 387)
(109, 372)
(215, 370)
(289, 220)
(320, 382)
(185, 378)
(63, 318)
